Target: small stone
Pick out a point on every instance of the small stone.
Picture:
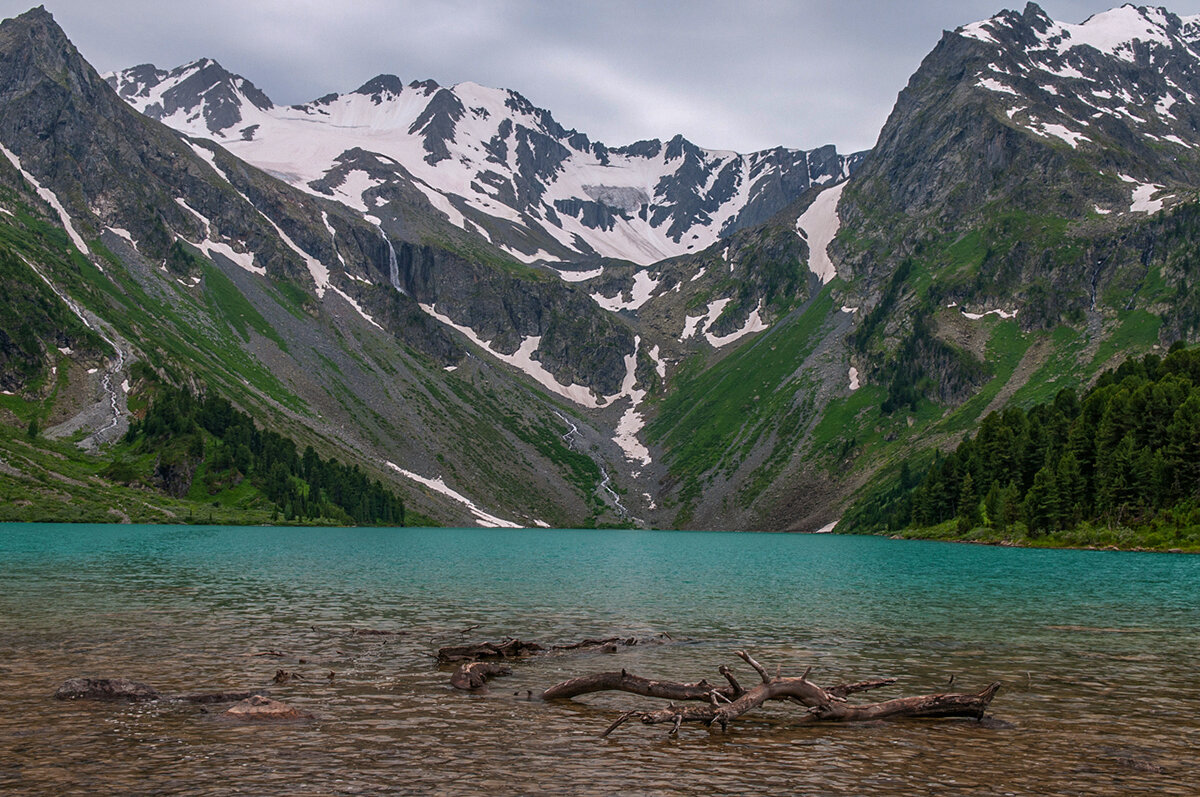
(264, 709)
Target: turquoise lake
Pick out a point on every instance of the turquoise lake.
(1097, 651)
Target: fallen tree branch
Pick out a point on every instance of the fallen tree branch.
(623, 681)
(510, 648)
(486, 651)
(720, 705)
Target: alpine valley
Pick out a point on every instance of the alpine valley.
(504, 322)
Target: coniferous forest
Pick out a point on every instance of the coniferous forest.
(1125, 453)
(206, 438)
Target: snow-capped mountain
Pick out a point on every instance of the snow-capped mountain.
(1121, 88)
(489, 160)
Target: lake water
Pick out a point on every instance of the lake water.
(1097, 652)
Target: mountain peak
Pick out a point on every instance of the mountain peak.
(39, 27)
(200, 89)
(380, 85)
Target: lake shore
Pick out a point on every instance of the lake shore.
(1083, 538)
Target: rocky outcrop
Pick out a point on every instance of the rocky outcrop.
(580, 343)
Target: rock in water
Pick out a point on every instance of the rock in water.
(263, 709)
(106, 689)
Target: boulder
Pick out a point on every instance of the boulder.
(115, 689)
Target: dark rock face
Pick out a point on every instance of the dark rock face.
(1012, 112)
(204, 85)
(580, 344)
(109, 689)
(436, 124)
(591, 214)
(379, 87)
(174, 476)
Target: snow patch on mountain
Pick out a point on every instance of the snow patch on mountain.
(485, 519)
(50, 198)
(991, 84)
(1142, 201)
(631, 421)
(640, 293)
(243, 259)
(1054, 130)
(754, 323)
(1001, 313)
(660, 367)
(358, 307)
(522, 360)
(578, 276)
(818, 225)
(123, 234)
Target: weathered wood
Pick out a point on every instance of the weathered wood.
(510, 648)
(720, 705)
(842, 690)
(488, 651)
(474, 675)
(623, 681)
(971, 705)
(207, 698)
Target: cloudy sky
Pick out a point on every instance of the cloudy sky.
(730, 75)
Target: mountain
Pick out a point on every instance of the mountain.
(1093, 126)
(1028, 215)
(489, 161)
(513, 324)
(213, 273)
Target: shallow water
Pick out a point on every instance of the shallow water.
(1097, 652)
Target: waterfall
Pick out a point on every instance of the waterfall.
(605, 480)
(393, 267)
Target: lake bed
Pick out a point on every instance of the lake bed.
(1097, 652)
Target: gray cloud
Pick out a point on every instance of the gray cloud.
(742, 76)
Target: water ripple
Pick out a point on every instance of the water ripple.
(1097, 653)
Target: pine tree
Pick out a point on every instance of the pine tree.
(1069, 486)
(1041, 503)
(968, 504)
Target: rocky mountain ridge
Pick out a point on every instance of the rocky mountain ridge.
(489, 161)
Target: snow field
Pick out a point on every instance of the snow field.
(818, 225)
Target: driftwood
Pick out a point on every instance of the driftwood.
(509, 648)
(488, 651)
(477, 668)
(474, 675)
(725, 703)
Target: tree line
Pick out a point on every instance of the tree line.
(1124, 452)
(208, 429)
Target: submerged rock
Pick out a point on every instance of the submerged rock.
(117, 689)
(263, 709)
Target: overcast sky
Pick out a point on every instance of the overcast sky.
(728, 75)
